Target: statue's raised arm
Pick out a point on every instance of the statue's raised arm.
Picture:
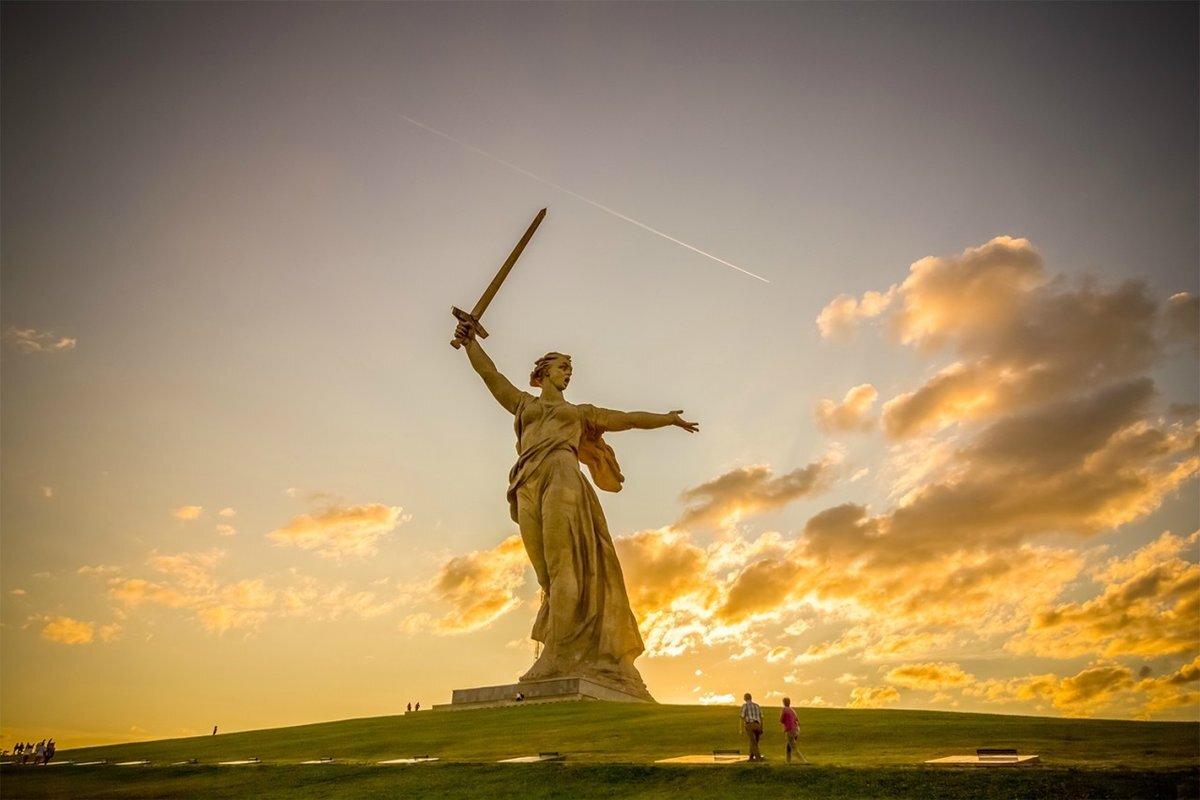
(501, 387)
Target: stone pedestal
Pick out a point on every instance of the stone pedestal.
(548, 691)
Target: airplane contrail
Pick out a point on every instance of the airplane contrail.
(578, 196)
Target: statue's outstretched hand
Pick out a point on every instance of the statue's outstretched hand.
(680, 422)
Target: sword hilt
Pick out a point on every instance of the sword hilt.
(467, 319)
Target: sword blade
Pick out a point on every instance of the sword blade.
(506, 267)
(485, 299)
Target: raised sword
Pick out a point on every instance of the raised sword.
(472, 318)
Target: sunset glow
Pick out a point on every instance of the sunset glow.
(948, 457)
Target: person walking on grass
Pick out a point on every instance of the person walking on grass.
(752, 726)
(791, 728)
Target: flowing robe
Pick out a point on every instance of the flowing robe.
(584, 622)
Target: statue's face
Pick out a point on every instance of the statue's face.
(558, 373)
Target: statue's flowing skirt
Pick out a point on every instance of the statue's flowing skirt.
(584, 622)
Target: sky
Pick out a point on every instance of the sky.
(948, 449)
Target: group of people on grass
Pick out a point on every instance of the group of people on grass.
(41, 753)
(752, 726)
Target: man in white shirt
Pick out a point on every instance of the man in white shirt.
(752, 725)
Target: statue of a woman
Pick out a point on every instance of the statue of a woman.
(584, 623)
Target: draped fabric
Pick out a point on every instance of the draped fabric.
(584, 622)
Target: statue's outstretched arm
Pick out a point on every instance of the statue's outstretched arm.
(501, 388)
(611, 420)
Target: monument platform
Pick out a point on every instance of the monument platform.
(554, 690)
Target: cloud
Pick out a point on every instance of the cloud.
(226, 530)
(66, 630)
(98, 569)
(188, 512)
(748, 490)
(339, 531)
(479, 587)
(851, 414)
(681, 592)
(840, 319)
(661, 566)
(1177, 690)
(243, 604)
(1083, 465)
(779, 654)
(191, 582)
(970, 297)
(137, 591)
(872, 696)
(29, 341)
(1149, 606)
(194, 571)
(1019, 338)
(1079, 695)
(1182, 316)
(762, 587)
(227, 512)
(710, 699)
(929, 677)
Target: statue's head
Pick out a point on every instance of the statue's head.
(555, 367)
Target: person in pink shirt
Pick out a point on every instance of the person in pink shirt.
(791, 727)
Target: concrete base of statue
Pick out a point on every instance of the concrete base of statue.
(552, 690)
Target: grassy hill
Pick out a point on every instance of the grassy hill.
(611, 747)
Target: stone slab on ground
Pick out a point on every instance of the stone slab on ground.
(984, 761)
(534, 759)
(708, 759)
(548, 691)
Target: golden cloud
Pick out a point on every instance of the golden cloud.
(188, 512)
(97, 569)
(852, 414)
(194, 571)
(1019, 338)
(1171, 691)
(841, 317)
(751, 489)
(762, 587)
(872, 696)
(480, 586)
(972, 295)
(1150, 606)
(339, 531)
(66, 630)
(929, 677)
(660, 567)
(1094, 687)
(192, 584)
(30, 340)
(136, 591)
(244, 604)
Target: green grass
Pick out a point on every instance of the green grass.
(611, 747)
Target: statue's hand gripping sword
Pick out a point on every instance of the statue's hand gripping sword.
(472, 319)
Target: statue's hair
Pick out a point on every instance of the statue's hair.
(542, 365)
